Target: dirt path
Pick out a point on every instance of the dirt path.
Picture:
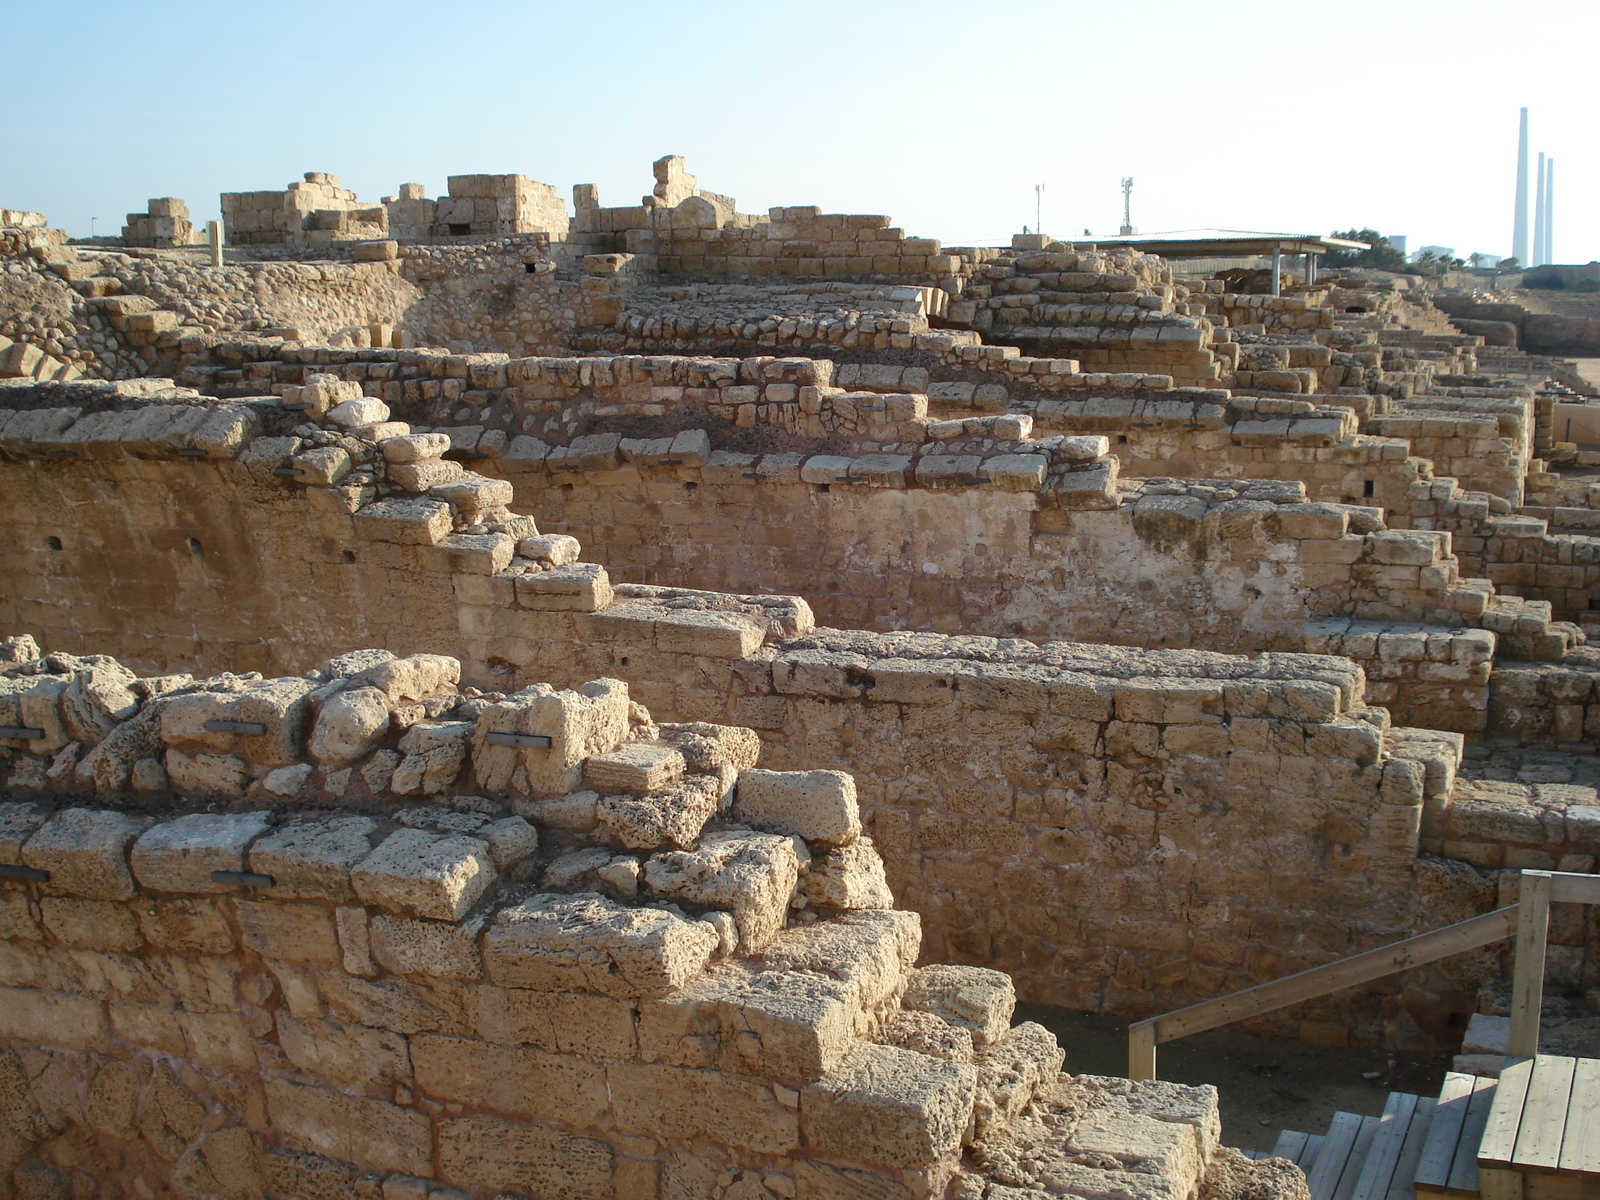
(1265, 1085)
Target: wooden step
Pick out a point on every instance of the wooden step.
(1448, 1165)
(1339, 1162)
(1299, 1148)
(1391, 1163)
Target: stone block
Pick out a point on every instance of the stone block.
(439, 948)
(751, 875)
(510, 841)
(580, 724)
(672, 816)
(557, 549)
(423, 475)
(681, 1104)
(577, 587)
(423, 521)
(302, 933)
(635, 767)
(581, 1023)
(588, 943)
(321, 467)
(365, 410)
(411, 678)
(311, 860)
(85, 852)
(973, 998)
(374, 1133)
(350, 723)
(816, 805)
(345, 1055)
(513, 1079)
(712, 634)
(194, 926)
(414, 447)
(1016, 472)
(495, 1155)
(179, 855)
(847, 877)
(793, 1026)
(874, 950)
(34, 1018)
(1012, 1071)
(890, 1107)
(415, 873)
(18, 822)
(206, 774)
(101, 925)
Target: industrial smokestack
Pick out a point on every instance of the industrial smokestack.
(1550, 210)
(1538, 217)
(1519, 230)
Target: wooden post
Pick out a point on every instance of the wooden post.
(214, 238)
(1527, 980)
(1142, 1051)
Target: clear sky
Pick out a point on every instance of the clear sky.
(1257, 114)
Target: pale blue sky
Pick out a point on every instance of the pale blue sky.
(1250, 115)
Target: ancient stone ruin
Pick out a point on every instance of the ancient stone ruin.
(790, 642)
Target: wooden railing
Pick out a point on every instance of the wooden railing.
(1527, 920)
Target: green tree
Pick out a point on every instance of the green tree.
(1382, 256)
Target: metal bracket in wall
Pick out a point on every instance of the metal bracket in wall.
(754, 475)
(297, 406)
(536, 741)
(26, 733)
(217, 725)
(29, 874)
(252, 879)
(872, 407)
(848, 478)
(567, 467)
(191, 452)
(977, 479)
(669, 462)
(288, 470)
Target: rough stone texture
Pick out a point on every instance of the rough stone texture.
(587, 943)
(751, 875)
(85, 852)
(971, 998)
(420, 874)
(179, 856)
(816, 805)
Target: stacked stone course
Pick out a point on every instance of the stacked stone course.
(693, 973)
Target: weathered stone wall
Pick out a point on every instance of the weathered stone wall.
(1051, 775)
(339, 974)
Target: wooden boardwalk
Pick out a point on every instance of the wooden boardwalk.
(1533, 1134)
(1542, 1139)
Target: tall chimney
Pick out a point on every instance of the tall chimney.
(1519, 230)
(1550, 210)
(1538, 216)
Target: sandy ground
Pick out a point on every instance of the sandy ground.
(1265, 1085)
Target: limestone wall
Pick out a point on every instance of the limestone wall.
(1054, 768)
(276, 952)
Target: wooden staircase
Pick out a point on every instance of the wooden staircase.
(1420, 1146)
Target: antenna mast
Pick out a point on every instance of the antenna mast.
(1127, 207)
(1038, 208)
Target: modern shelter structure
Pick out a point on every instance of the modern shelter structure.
(1234, 243)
